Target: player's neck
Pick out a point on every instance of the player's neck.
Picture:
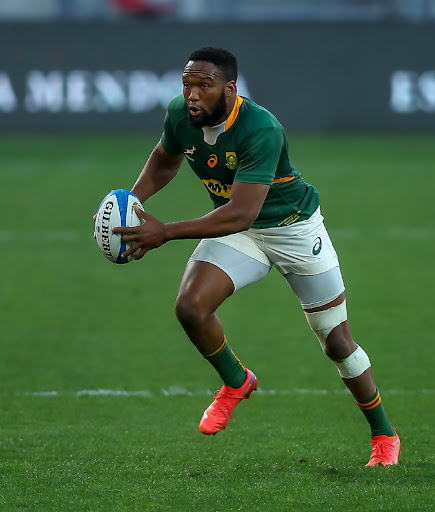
(228, 111)
(211, 133)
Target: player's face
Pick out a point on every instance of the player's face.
(205, 92)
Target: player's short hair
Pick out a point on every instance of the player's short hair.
(221, 58)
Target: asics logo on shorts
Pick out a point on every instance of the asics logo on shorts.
(317, 247)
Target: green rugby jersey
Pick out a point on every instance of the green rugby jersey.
(252, 149)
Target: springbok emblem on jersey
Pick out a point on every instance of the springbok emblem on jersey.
(231, 158)
(189, 152)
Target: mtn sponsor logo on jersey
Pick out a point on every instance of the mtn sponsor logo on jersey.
(231, 159)
(189, 152)
(212, 161)
(217, 188)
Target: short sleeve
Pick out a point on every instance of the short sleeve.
(259, 156)
(169, 139)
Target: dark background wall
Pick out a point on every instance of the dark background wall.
(120, 76)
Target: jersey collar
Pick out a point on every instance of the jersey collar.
(211, 133)
(235, 112)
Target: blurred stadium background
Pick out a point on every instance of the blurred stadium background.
(100, 391)
(241, 10)
(113, 65)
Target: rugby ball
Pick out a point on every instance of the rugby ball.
(116, 209)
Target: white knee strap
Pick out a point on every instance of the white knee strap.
(322, 322)
(354, 365)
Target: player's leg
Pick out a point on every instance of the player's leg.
(355, 370)
(304, 254)
(331, 327)
(203, 288)
(214, 272)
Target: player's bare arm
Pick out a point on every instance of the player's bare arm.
(160, 168)
(237, 215)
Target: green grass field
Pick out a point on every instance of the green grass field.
(101, 392)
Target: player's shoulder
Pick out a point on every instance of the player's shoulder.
(177, 109)
(258, 117)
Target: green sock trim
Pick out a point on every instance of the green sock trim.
(374, 413)
(228, 366)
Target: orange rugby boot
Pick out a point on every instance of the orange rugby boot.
(217, 415)
(385, 451)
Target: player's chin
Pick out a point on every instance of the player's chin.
(197, 120)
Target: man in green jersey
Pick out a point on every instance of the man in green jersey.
(264, 215)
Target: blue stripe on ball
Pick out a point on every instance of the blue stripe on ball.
(122, 197)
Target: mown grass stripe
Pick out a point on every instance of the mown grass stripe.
(180, 391)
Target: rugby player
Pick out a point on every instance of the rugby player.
(264, 215)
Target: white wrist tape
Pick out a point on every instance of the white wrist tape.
(354, 365)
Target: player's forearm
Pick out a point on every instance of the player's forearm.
(219, 222)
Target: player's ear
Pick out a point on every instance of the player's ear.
(230, 88)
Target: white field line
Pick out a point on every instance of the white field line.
(351, 234)
(180, 391)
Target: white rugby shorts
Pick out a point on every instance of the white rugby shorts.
(302, 252)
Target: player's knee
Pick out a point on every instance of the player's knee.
(339, 343)
(189, 309)
(324, 322)
(332, 330)
(354, 365)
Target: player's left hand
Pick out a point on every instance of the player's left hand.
(149, 235)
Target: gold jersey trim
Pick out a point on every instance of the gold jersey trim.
(235, 112)
(283, 180)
